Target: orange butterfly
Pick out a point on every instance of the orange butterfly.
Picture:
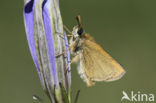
(95, 64)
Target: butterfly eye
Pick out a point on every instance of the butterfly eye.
(80, 31)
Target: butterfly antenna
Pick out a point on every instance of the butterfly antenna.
(78, 18)
(80, 29)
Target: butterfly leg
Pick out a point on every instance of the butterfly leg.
(66, 28)
(74, 59)
(70, 47)
(62, 35)
(62, 52)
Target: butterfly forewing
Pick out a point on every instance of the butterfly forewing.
(98, 65)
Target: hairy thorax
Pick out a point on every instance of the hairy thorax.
(77, 44)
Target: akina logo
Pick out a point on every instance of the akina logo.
(137, 96)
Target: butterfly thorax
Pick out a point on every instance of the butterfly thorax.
(77, 41)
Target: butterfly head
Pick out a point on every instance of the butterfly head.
(78, 30)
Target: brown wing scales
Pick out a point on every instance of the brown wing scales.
(97, 65)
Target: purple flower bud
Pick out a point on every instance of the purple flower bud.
(46, 39)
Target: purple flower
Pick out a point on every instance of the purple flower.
(44, 29)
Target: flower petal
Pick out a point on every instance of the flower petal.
(49, 39)
(29, 20)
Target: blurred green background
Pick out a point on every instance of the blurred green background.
(125, 28)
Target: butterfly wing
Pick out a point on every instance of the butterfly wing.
(97, 65)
